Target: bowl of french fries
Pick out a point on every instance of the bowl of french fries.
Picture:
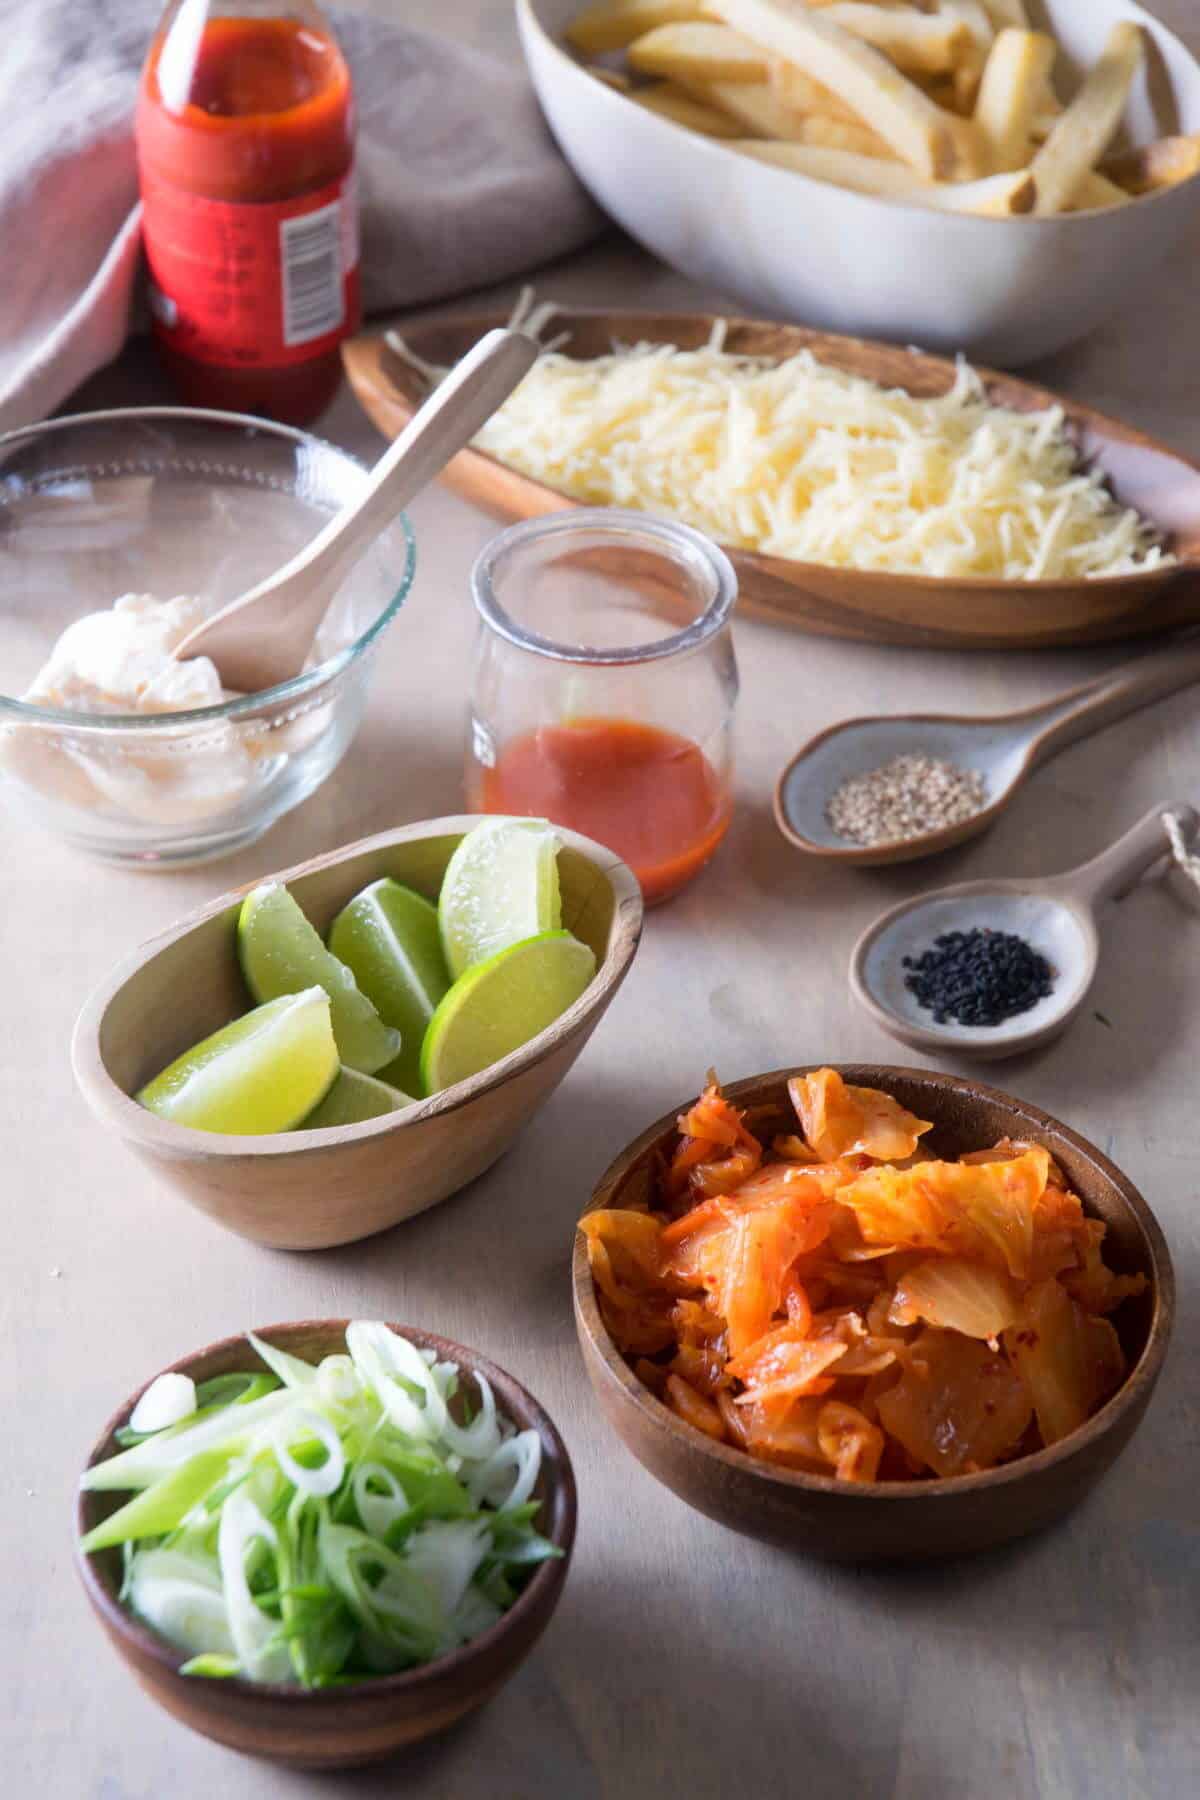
(986, 176)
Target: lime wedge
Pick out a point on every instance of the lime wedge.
(353, 1098)
(265, 1072)
(500, 1004)
(387, 936)
(281, 954)
(500, 887)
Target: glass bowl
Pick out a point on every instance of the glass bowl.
(170, 500)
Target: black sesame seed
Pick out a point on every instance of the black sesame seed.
(978, 977)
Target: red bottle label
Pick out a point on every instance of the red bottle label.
(251, 284)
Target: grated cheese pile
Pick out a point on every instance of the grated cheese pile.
(799, 460)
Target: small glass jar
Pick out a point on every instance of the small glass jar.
(604, 686)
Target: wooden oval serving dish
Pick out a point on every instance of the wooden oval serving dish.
(869, 605)
(364, 1721)
(305, 1190)
(893, 1521)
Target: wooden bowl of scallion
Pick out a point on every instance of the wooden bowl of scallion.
(325, 1541)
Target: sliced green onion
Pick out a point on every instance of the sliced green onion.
(235, 1390)
(168, 1400)
(211, 1396)
(447, 1553)
(156, 1456)
(372, 1348)
(215, 1667)
(181, 1597)
(254, 1635)
(397, 1610)
(338, 1382)
(506, 1479)
(474, 1615)
(158, 1509)
(291, 1370)
(326, 1479)
(378, 1512)
(346, 1523)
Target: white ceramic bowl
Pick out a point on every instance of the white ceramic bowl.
(1003, 290)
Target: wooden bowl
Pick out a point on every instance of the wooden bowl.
(306, 1190)
(895, 1521)
(866, 604)
(337, 1727)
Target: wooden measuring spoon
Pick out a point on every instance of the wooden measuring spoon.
(1056, 915)
(1003, 748)
(264, 636)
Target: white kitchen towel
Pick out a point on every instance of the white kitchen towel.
(459, 179)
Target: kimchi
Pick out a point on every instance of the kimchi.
(837, 1299)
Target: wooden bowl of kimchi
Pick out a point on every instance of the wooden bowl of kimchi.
(960, 1444)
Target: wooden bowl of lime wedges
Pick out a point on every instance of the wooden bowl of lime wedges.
(307, 1094)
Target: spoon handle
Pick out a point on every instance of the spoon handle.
(1114, 696)
(443, 425)
(1115, 870)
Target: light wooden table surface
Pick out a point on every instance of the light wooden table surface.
(685, 1663)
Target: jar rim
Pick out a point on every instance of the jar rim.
(681, 543)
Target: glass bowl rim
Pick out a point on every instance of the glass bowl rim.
(245, 705)
(683, 542)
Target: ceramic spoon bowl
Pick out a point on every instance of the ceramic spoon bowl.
(1056, 915)
(1003, 749)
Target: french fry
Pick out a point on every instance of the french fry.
(754, 108)
(942, 103)
(1162, 164)
(1047, 113)
(947, 93)
(1081, 135)
(1012, 89)
(1096, 191)
(804, 95)
(613, 78)
(611, 24)
(698, 50)
(974, 16)
(928, 42)
(684, 109)
(858, 74)
(995, 196)
(981, 34)
(760, 112)
(1007, 12)
(968, 147)
(824, 133)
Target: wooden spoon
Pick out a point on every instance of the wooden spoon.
(1056, 915)
(1004, 748)
(264, 636)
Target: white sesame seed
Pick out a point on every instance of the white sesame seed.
(908, 797)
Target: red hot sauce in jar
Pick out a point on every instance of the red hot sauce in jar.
(649, 794)
(245, 143)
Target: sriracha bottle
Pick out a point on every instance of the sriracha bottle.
(245, 145)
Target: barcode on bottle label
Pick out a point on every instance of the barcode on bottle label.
(310, 252)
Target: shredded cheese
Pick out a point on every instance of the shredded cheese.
(799, 460)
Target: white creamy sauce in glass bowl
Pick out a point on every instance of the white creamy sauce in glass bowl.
(121, 661)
